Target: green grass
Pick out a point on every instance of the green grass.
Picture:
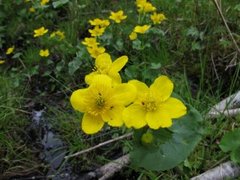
(194, 50)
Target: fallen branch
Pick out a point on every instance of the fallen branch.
(223, 171)
(230, 106)
(99, 145)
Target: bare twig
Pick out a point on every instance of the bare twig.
(223, 171)
(99, 145)
(226, 25)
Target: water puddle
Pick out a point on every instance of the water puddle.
(52, 148)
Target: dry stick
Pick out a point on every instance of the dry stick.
(99, 145)
(226, 25)
(225, 170)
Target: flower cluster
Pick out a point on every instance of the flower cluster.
(133, 104)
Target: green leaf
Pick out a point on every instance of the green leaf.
(74, 65)
(59, 3)
(230, 141)
(172, 148)
(235, 155)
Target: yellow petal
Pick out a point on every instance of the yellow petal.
(91, 124)
(157, 119)
(78, 99)
(124, 94)
(114, 116)
(174, 107)
(116, 77)
(101, 82)
(162, 88)
(118, 64)
(141, 87)
(134, 116)
(89, 77)
(103, 61)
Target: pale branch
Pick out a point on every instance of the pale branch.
(99, 145)
(223, 171)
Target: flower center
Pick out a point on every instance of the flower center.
(149, 106)
(100, 102)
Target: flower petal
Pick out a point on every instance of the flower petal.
(124, 94)
(162, 88)
(174, 107)
(157, 119)
(78, 99)
(115, 77)
(91, 124)
(114, 116)
(141, 87)
(134, 116)
(118, 64)
(89, 77)
(103, 61)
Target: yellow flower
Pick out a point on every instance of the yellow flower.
(117, 16)
(141, 29)
(40, 32)
(102, 102)
(95, 51)
(90, 42)
(157, 18)
(99, 22)
(2, 61)
(104, 65)
(58, 33)
(145, 7)
(10, 50)
(44, 2)
(96, 31)
(154, 106)
(133, 36)
(44, 53)
(32, 9)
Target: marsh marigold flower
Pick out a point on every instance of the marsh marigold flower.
(153, 106)
(144, 6)
(44, 53)
(96, 31)
(141, 29)
(104, 65)
(2, 61)
(40, 32)
(32, 9)
(103, 23)
(133, 36)
(102, 102)
(59, 34)
(44, 2)
(117, 16)
(90, 42)
(157, 18)
(95, 51)
(10, 50)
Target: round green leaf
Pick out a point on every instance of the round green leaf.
(172, 146)
(230, 141)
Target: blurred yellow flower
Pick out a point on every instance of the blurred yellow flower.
(105, 65)
(26, 1)
(95, 51)
(2, 61)
(44, 53)
(90, 42)
(10, 50)
(100, 22)
(157, 18)
(58, 33)
(32, 9)
(133, 36)
(145, 7)
(141, 29)
(96, 31)
(40, 32)
(117, 16)
(44, 2)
